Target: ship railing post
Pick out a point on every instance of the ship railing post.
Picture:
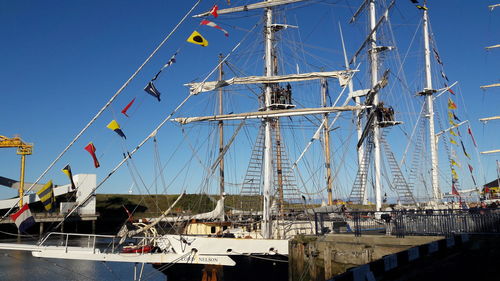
(66, 246)
(316, 223)
(357, 226)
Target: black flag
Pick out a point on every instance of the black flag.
(151, 89)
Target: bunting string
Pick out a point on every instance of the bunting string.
(105, 106)
(154, 132)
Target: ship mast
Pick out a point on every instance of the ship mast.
(221, 140)
(268, 174)
(428, 91)
(376, 128)
(269, 113)
(326, 135)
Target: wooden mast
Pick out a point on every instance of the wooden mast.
(326, 136)
(221, 139)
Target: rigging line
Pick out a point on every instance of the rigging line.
(403, 160)
(153, 133)
(168, 161)
(104, 107)
(246, 85)
(161, 175)
(194, 151)
(133, 168)
(400, 69)
(342, 160)
(333, 121)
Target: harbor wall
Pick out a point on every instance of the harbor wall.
(319, 258)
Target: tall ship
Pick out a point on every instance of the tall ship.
(286, 122)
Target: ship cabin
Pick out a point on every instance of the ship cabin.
(205, 228)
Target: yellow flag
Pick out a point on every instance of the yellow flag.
(453, 141)
(67, 171)
(455, 175)
(196, 38)
(113, 125)
(453, 162)
(453, 133)
(451, 104)
(46, 195)
(450, 115)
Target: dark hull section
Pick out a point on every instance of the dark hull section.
(247, 268)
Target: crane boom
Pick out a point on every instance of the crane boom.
(23, 149)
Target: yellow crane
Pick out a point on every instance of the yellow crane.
(23, 149)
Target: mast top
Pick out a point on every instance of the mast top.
(244, 8)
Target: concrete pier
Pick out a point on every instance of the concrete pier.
(319, 258)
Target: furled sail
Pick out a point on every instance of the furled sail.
(216, 213)
(200, 87)
(268, 114)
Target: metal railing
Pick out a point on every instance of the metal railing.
(403, 222)
(95, 243)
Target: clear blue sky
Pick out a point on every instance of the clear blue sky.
(62, 60)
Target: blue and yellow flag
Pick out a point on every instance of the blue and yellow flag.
(67, 171)
(113, 125)
(46, 195)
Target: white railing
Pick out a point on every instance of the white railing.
(91, 240)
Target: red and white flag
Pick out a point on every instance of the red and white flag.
(23, 218)
(213, 11)
(214, 25)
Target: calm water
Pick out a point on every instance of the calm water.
(22, 266)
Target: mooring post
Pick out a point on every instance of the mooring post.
(327, 259)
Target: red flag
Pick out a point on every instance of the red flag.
(214, 25)
(470, 133)
(214, 11)
(471, 175)
(91, 149)
(451, 91)
(451, 104)
(470, 168)
(454, 190)
(124, 110)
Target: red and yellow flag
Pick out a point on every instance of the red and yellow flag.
(91, 149)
